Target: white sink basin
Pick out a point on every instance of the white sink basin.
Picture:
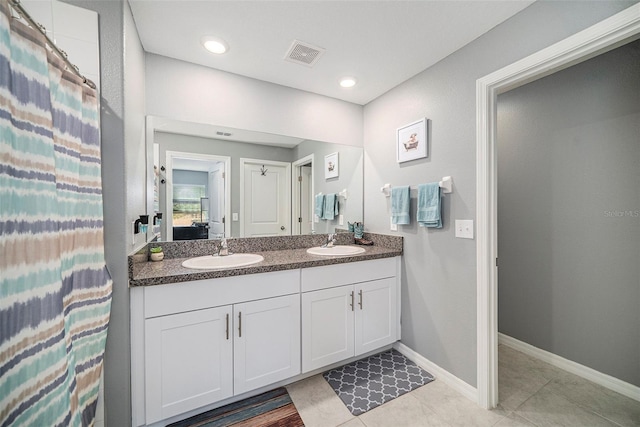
(336, 250)
(211, 262)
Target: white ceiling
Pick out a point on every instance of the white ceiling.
(381, 43)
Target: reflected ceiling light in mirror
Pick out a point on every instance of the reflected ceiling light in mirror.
(348, 82)
(214, 45)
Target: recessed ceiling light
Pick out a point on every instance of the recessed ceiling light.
(348, 81)
(215, 45)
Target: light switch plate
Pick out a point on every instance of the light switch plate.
(234, 216)
(340, 219)
(316, 218)
(464, 228)
(394, 227)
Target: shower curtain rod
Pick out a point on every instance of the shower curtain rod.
(15, 4)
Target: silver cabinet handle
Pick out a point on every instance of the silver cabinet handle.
(282, 228)
(352, 300)
(239, 324)
(227, 326)
(360, 301)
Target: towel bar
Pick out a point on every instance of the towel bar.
(445, 184)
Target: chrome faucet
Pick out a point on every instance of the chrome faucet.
(224, 249)
(331, 240)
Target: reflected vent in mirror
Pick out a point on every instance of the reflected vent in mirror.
(303, 53)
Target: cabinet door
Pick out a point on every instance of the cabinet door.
(188, 361)
(327, 327)
(266, 342)
(375, 314)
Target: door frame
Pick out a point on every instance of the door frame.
(295, 185)
(606, 35)
(243, 162)
(170, 155)
(224, 214)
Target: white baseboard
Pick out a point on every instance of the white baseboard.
(585, 372)
(441, 374)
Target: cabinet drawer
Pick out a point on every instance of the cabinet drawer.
(330, 276)
(161, 300)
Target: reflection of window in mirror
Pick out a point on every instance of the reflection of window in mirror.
(187, 203)
(204, 209)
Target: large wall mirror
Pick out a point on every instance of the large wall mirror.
(211, 181)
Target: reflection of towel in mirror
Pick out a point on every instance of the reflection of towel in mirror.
(330, 206)
(400, 203)
(429, 205)
(319, 210)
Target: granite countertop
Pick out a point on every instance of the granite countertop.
(279, 253)
(170, 270)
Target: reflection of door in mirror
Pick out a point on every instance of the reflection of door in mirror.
(302, 200)
(265, 191)
(195, 196)
(216, 202)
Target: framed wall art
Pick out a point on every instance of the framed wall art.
(331, 166)
(411, 141)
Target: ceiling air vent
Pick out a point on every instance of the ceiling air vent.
(303, 53)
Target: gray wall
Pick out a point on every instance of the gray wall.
(188, 177)
(439, 271)
(569, 213)
(350, 170)
(122, 71)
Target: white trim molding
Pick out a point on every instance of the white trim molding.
(597, 39)
(612, 383)
(442, 374)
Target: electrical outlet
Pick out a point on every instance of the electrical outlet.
(340, 219)
(464, 228)
(234, 216)
(316, 218)
(393, 227)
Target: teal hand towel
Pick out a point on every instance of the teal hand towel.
(319, 207)
(429, 205)
(330, 206)
(400, 204)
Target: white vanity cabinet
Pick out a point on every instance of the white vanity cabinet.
(197, 352)
(200, 344)
(348, 310)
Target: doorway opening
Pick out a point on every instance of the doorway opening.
(197, 196)
(302, 200)
(597, 39)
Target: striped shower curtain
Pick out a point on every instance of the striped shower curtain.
(55, 291)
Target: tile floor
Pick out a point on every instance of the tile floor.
(532, 393)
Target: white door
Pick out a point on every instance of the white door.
(375, 315)
(216, 202)
(188, 361)
(265, 198)
(266, 342)
(327, 327)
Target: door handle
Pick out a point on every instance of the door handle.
(240, 325)
(360, 299)
(352, 300)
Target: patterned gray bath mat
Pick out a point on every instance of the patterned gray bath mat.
(365, 384)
